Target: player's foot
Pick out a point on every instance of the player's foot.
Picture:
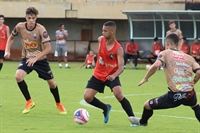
(136, 122)
(106, 113)
(135, 67)
(61, 108)
(68, 67)
(0, 105)
(29, 105)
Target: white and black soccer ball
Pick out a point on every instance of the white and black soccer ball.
(81, 116)
(148, 66)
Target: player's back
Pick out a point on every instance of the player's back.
(178, 70)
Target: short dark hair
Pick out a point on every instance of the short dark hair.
(184, 38)
(32, 10)
(173, 39)
(155, 39)
(110, 24)
(1, 16)
(60, 25)
(171, 22)
(131, 40)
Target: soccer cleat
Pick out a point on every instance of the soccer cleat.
(106, 114)
(61, 108)
(68, 67)
(136, 121)
(29, 105)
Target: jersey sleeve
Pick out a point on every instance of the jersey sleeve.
(65, 32)
(15, 31)
(44, 35)
(195, 66)
(162, 58)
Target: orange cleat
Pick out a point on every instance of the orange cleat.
(61, 108)
(29, 105)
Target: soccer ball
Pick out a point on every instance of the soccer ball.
(148, 66)
(81, 116)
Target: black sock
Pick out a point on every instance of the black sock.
(127, 107)
(197, 112)
(146, 115)
(150, 61)
(95, 102)
(55, 94)
(24, 89)
(1, 65)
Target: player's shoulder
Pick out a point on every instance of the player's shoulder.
(100, 38)
(40, 26)
(21, 24)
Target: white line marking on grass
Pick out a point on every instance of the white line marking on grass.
(82, 102)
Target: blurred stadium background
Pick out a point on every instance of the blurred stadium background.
(141, 20)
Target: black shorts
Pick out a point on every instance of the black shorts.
(99, 85)
(41, 67)
(2, 52)
(174, 99)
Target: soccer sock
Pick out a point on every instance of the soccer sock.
(150, 61)
(55, 94)
(24, 89)
(197, 112)
(95, 102)
(127, 107)
(146, 115)
(1, 65)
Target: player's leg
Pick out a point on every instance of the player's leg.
(19, 76)
(1, 58)
(94, 85)
(64, 54)
(44, 71)
(54, 90)
(135, 60)
(58, 49)
(191, 100)
(115, 85)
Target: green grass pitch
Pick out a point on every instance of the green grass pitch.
(44, 118)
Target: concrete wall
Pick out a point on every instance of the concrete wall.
(87, 9)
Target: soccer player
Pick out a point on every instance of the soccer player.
(173, 29)
(109, 66)
(61, 48)
(131, 51)
(36, 45)
(90, 60)
(156, 49)
(195, 50)
(4, 34)
(185, 47)
(178, 69)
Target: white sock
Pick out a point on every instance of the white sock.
(60, 64)
(66, 65)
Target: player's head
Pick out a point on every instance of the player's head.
(171, 40)
(31, 16)
(172, 24)
(91, 52)
(61, 26)
(155, 39)
(131, 41)
(184, 40)
(196, 41)
(109, 29)
(1, 19)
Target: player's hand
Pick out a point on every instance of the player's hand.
(142, 82)
(110, 77)
(31, 61)
(7, 55)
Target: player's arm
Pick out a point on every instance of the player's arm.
(65, 34)
(10, 41)
(151, 71)
(84, 63)
(120, 55)
(7, 31)
(196, 69)
(180, 39)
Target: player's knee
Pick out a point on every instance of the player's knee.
(87, 98)
(52, 83)
(146, 105)
(18, 77)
